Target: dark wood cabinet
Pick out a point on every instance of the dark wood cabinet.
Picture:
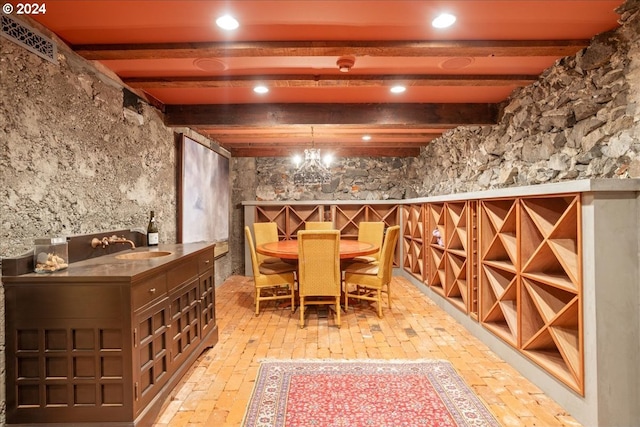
(88, 347)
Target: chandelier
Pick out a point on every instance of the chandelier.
(312, 170)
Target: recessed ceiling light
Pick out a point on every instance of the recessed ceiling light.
(366, 137)
(261, 89)
(443, 20)
(398, 89)
(227, 22)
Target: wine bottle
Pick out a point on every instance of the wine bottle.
(152, 231)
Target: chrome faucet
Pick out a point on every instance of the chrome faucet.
(105, 241)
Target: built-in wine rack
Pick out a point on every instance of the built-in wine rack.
(513, 264)
(345, 217)
(530, 280)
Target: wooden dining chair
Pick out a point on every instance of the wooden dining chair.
(370, 232)
(319, 270)
(273, 281)
(265, 232)
(318, 225)
(367, 281)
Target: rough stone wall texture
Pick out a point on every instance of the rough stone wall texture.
(73, 160)
(364, 178)
(579, 120)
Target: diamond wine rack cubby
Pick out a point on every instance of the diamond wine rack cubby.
(498, 271)
(290, 219)
(348, 217)
(413, 243)
(530, 280)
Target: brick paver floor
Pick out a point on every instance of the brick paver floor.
(215, 392)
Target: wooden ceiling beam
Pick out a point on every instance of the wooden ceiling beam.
(288, 144)
(338, 152)
(426, 115)
(332, 80)
(437, 48)
(319, 129)
(320, 135)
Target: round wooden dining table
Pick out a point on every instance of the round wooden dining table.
(288, 249)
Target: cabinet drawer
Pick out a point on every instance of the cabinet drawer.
(148, 291)
(205, 261)
(185, 272)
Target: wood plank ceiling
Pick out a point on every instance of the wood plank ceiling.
(200, 76)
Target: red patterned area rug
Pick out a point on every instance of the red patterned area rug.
(354, 393)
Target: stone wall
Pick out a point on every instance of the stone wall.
(74, 160)
(364, 178)
(579, 120)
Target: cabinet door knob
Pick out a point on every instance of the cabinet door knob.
(206, 262)
(152, 290)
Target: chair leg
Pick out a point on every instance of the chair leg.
(301, 312)
(257, 300)
(293, 299)
(380, 303)
(389, 295)
(346, 297)
(338, 310)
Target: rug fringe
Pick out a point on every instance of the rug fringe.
(270, 359)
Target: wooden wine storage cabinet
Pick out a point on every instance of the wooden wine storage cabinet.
(345, 216)
(85, 347)
(531, 280)
(515, 267)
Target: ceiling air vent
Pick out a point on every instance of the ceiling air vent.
(28, 38)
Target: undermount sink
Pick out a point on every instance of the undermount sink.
(143, 255)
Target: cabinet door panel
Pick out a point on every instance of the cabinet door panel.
(207, 301)
(151, 361)
(185, 321)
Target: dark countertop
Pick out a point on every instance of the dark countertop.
(108, 268)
